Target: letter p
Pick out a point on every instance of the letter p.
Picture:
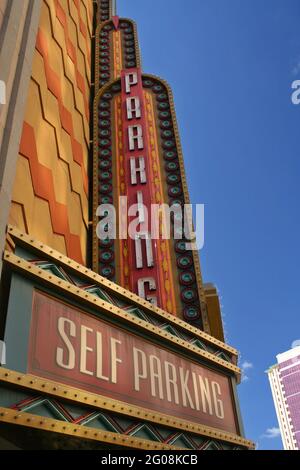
(130, 80)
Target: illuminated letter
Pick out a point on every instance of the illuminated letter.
(138, 211)
(141, 207)
(138, 249)
(152, 286)
(130, 80)
(134, 170)
(70, 364)
(135, 134)
(133, 106)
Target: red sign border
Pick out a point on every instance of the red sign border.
(72, 383)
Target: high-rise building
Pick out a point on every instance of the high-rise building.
(284, 380)
(109, 337)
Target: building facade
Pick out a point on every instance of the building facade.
(284, 380)
(109, 337)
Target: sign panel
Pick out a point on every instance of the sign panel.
(140, 198)
(69, 346)
(143, 250)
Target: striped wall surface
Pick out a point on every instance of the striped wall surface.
(50, 197)
(19, 22)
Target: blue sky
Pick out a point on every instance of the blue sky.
(231, 64)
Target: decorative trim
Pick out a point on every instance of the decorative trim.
(186, 197)
(114, 289)
(98, 291)
(104, 10)
(187, 298)
(163, 246)
(83, 296)
(111, 50)
(199, 294)
(102, 183)
(29, 420)
(49, 387)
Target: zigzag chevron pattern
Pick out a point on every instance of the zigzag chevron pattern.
(111, 422)
(132, 309)
(50, 198)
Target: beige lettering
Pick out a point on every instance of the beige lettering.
(171, 379)
(184, 377)
(84, 349)
(114, 359)
(139, 373)
(99, 370)
(197, 403)
(135, 135)
(130, 80)
(70, 364)
(156, 376)
(133, 106)
(205, 395)
(219, 408)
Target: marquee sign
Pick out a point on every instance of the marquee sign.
(88, 350)
(138, 159)
(69, 346)
(122, 355)
(144, 257)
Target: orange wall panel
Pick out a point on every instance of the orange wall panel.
(50, 198)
